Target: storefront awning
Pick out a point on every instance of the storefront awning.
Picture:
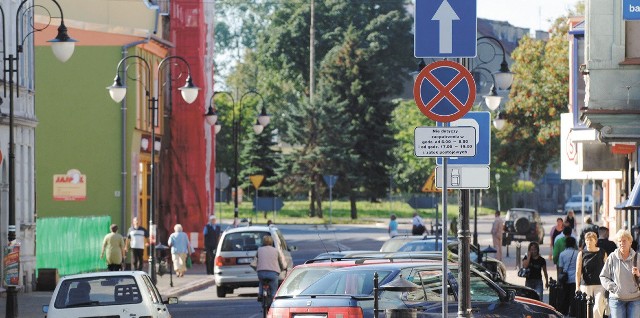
(633, 203)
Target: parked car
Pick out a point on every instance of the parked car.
(107, 294)
(394, 243)
(522, 225)
(236, 249)
(426, 245)
(575, 203)
(348, 292)
(492, 268)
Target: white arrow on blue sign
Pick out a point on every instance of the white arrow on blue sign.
(450, 24)
(330, 180)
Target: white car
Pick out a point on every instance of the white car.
(575, 203)
(236, 249)
(107, 294)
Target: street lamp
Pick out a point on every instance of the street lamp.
(261, 122)
(62, 46)
(118, 90)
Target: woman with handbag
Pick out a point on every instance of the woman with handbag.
(536, 265)
(588, 267)
(567, 274)
(619, 276)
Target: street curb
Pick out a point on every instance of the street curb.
(203, 283)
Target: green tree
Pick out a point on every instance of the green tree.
(364, 51)
(531, 139)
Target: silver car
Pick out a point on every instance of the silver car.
(236, 249)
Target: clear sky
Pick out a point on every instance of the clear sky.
(532, 14)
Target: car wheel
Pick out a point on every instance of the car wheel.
(221, 291)
(522, 225)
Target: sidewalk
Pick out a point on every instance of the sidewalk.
(30, 304)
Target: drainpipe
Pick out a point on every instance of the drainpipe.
(123, 142)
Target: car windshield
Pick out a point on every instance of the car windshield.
(578, 199)
(301, 278)
(431, 281)
(422, 246)
(98, 291)
(243, 241)
(346, 282)
(516, 214)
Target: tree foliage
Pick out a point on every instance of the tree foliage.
(531, 139)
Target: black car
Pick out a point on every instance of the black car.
(522, 225)
(349, 292)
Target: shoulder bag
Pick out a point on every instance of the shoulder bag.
(563, 275)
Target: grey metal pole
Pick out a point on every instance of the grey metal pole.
(464, 236)
(445, 260)
(152, 254)
(12, 293)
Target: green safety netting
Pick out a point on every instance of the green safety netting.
(71, 245)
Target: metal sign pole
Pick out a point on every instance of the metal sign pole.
(445, 236)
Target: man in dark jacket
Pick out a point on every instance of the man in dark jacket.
(211, 238)
(604, 242)
(588, 227)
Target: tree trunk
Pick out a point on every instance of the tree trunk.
(318, 196)
(312, 201)
(354, 210)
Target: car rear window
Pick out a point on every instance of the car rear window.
(98, 291)
(347, 282)
(243, 241)
(301, 278)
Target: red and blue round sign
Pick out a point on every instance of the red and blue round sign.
(444, 91)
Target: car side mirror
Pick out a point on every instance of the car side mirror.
(511, 295)
(171, 301)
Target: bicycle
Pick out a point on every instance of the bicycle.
(267, 296)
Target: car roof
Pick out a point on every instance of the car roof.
(103, 274)
(255, 228)
(522, 210)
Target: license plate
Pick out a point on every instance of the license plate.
(244, 260)
(520, 237)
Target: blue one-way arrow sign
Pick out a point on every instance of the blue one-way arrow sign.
(450, 23)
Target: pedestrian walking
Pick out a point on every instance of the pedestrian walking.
(604, 242)
(571, 219)
(555, 231)
(537, 265)
(588, 227)
(113, 248)
(393, 226)
(417, 224)
(211, 237)
(180, 249)
(590, 262)
(560, 243)
(497, 229)
(137, 240)
(567, 261)
(619, 276)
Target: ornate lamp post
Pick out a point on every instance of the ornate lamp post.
(117, 91)
(63, 47)
(261, 122)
